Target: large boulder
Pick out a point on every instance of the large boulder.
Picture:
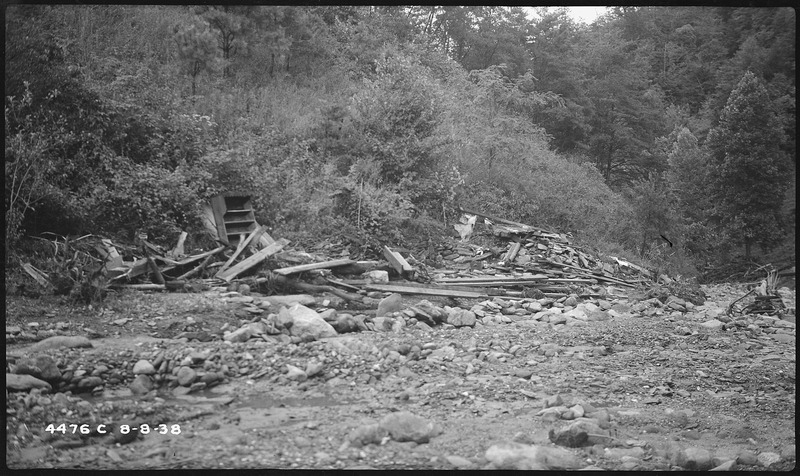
(389, 304)
(461, 317)
(23, 383)
(41, 367)
(306, 323)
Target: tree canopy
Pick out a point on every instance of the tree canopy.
(364, 120)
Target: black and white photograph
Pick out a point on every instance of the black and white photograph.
(400, 237)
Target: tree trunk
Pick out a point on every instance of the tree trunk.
(748, 245)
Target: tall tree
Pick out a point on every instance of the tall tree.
(197, 50)
(232, 24)
(626, 111)
(751, 172)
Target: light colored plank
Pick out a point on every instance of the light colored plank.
(425, 290)
(243, 243)
(397, 261)
(310, 266)
(253, 260)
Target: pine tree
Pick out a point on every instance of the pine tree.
(751, 173)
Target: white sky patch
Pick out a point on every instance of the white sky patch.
(579, 14)
(586, 14)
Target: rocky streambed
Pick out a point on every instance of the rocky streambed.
(229, 380)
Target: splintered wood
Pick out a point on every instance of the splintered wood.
(534, 259)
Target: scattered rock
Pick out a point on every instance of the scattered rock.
(460, 462)
(143, 367)
(389, 304)
(768, 458)
(378, 277)
(186, 376)
(461, 318)
(42, 367)
(552, 401)
(747, 458)
(24, 383)
(239, 335)
(346, 323)
(405, 426)
(307, 324)
(695, 459)
(141, 385)
(788, 452)
(295, 373)
(583, 432)
(57, 342)
(513, 455)
(367, 434)
(712, 324)
(729, 465)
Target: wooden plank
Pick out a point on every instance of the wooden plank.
(178, 251)
(243, 242)
(504, 221)
(192, 259)
(493, 278)
(397, 261)
(595, 276)
(512, 253)
(310, 266)
(265, 239)
(500, 284)
(139, 287)
(36, 274)
(253, 260)
(425, 290)
(209, 222)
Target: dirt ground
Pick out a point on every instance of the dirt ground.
(659, 391)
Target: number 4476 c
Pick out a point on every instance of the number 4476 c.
(63, 428)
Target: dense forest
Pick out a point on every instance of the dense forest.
(374, 124)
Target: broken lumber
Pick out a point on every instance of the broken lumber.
(311, 266)
(178, 251)
(257, 258)
(310, 288)
(243, 243)
(431, 291)
(524, 227)
(140, 287)
(397, 261)
(509, 279)
(196, 270)
(36, 274)
(512, 252)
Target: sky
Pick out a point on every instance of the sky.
(586, 14)
(581, 14)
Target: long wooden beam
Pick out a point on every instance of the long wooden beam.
(310, 266)
(431, 291)
(257, 258)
